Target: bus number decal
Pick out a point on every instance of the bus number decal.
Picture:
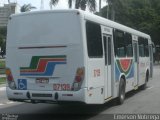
(59, 87)
(97, 72)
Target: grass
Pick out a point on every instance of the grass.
(2, 67)
(2, 80)
(2, 64)
(2, 71)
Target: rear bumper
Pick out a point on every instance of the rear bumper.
(44, 96)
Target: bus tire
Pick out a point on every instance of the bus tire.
(121, 96)
(144, 86)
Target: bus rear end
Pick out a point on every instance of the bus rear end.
(44, 59)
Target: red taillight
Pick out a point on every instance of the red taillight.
(9, 75)
(79, 75)
(10, 79)
(78, 79)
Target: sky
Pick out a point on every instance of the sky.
(63, 4)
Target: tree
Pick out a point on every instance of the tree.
(3, 34)
(70, 3)
(79, 4)
(111, 8)
(55, 2)
(142, 15)
(100, 2)
(82, 4)
(27, 7)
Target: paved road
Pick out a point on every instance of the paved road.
(137, 102)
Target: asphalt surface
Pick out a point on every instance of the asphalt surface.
(137, 102)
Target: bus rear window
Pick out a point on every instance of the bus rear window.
(94, 40)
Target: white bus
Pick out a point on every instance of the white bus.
(73, 56)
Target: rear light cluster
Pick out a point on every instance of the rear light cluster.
(10, 80)
(79, 77)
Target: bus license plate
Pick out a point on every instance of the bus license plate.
(42, 80)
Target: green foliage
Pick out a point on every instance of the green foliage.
(2, 64)
(54, 2)
(3, 34)
(2, 68)
(142, 15)
(79, 4)
(27, 7)
(2, 80)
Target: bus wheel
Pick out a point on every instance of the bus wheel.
(121, 96)
(144, 86)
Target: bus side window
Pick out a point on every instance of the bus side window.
(129, 48)
(94, 40)
(135, 45)
(146, 47)
(105, 49)
(109, 50)
(119, 43)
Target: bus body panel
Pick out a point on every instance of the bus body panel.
(143, 66)
(45, 52)
(48, 57)
(96, 80)
(109, 83)
(130, 82)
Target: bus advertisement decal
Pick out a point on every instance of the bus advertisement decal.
(42, 65)
(124, 66)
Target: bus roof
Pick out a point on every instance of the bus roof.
(113, 24)
(90, 17)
